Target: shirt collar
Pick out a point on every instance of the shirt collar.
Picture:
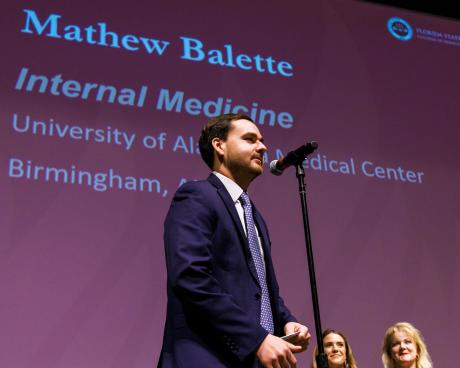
(233, 189)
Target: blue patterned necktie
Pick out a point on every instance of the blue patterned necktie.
(266, 317)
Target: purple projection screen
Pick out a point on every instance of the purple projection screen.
(101, 107)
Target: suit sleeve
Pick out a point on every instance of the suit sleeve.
(189, 228)
(285, 315)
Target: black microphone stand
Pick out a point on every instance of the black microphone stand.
(321, 358)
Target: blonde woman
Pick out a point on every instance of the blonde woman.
(403, 347)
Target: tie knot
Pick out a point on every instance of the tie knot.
(244, 198)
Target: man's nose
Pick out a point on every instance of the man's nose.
(262, 147)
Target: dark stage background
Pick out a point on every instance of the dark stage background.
(101, 106)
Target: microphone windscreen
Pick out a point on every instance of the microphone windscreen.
(274, 170)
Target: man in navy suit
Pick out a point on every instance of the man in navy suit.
(224, 307)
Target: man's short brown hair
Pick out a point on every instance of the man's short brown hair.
(217, 127)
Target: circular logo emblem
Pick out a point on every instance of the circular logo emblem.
(400, 29)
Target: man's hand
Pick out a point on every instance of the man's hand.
(277, 353)
(303, 338)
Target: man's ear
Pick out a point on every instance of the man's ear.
(218, 145)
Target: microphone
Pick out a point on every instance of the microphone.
(295, 157)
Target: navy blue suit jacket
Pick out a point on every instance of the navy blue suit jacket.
(213, 313)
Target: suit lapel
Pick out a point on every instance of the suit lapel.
(262, 230)
(263, 233)
(227, 199)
